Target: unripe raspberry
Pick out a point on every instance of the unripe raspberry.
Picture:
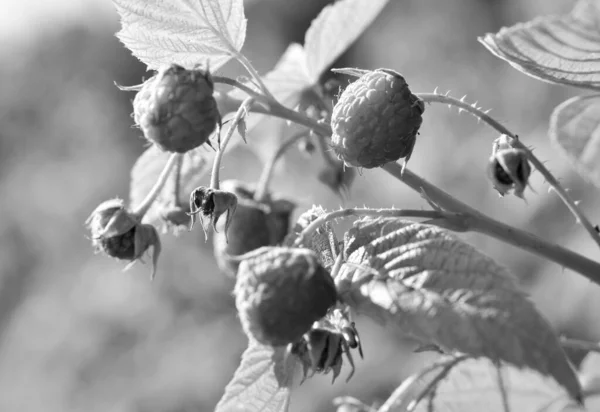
(255, 224)
(280, 292)
(176, 109)
(376, 120)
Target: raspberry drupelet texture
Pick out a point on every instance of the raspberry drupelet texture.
(280, 292)
(176, 109)
(376, 120)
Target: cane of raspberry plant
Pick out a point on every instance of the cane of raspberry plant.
(376, 120)
(280, 292)
(176, 110)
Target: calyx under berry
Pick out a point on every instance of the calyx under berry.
(120, 234)
(206, 202)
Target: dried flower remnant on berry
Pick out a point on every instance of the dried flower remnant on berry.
(255, 224)
(119, 234)
(176, 109)
(206, 202)
(322, 348)
(280, 292)
(376, 120)
(509, 169)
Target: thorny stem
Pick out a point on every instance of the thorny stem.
(321, 220)
(262, 188)
(485, 224)
(145, 205)
(241, 112)
(554, 184)
(478, 222)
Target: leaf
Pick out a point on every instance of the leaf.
(148, 167)
(573, 127)
(186, 32)
(474, 385)
(445, 292)
(335, 29)
(262, 382)
(557, 49)
(323, 241)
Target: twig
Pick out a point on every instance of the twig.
(562, 193)
(145, 205)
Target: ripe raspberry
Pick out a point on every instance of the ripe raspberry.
(254, 225)
(116, 232)
(176, 109)
(376, 120)
(280, 292)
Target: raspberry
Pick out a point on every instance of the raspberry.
(176, 109)
(280, 292)
(254, 225)
(376, 120)
(116, 232)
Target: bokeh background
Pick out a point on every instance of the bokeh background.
(78, 334)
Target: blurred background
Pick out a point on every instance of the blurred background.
(78, 334)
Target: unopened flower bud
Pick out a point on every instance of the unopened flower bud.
(280, 292)
(509, 169)
(206, 202)
(119, 234)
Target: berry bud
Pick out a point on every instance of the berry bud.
(280, 292)
(211, 203)
(509, 169)
(253, 226)
(119, 234)
(176, 109)
(376, 120)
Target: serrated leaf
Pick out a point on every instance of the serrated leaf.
(145, 172)
(262, 382)
(335, 29)
(474, 385)
(573, 128)
(557, 49)
(186, 32)
(323, 241)
(445, 292)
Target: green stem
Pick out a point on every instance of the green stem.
(579, 344)
(246, 63)
(236, 84)
(262, 187)
(177, 181)
(562, 193)
(145, 205)
(241, 112)
(321, 220)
